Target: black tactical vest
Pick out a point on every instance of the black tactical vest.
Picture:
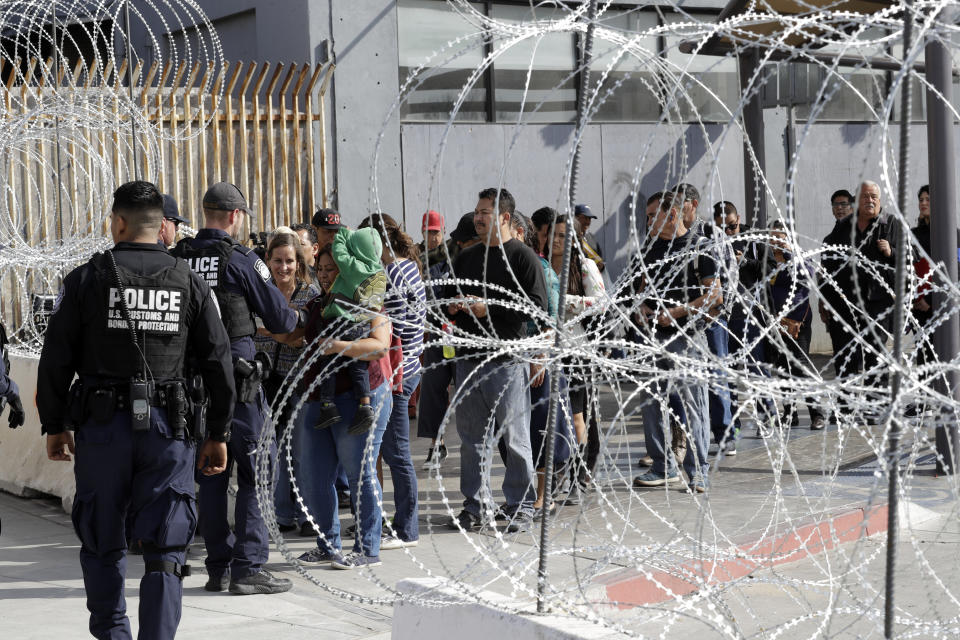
(157, 306)
(210, 263)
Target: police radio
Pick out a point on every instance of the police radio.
(140, 393)
(141, 390)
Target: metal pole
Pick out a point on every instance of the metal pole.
(554, 368)
(551, 432)
(893, 444)
(941, 146)
(133, 122)
(754, 196)
(56, 121)
(790, 144)
(582, 97)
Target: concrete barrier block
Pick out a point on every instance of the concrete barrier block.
(444, 612)
(24, 467)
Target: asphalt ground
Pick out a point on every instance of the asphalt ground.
(763, 492)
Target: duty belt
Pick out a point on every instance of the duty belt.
(121, 394)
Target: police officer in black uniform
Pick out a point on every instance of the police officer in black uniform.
(123, 324)
(241, 283)
(9, 391)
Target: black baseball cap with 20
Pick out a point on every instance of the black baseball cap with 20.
(465, 230)
(326, 219)
(225, 197)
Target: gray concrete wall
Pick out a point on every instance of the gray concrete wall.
(445, 168)
(363, 39)
(423, 165)
(277, 28)
(365, 84)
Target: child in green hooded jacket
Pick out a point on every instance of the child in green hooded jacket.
(355, 296)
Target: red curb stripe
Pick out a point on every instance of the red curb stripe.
(630, 587)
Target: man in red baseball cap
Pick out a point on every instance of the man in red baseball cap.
(432, 230)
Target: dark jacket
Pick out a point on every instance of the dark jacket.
(860, 272)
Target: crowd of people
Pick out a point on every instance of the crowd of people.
(368, 329)
(750, 299)
(409, 373)
(694, 283)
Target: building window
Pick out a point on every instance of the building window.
(424, 29)
(850, 94)
(632, 86)
(536, 73)
(699, 87)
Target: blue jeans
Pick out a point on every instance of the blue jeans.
(721, 420)
(744, 332)
(288, 513)
(687, 399)
(324, 449)
(495, 404)
(396, 454)
(540, 412)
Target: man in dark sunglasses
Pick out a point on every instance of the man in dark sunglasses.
(728, 219)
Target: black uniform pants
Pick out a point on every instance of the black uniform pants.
(792, 357)
(857, 347)
(438, 373)
(150, 475)
(243, 551)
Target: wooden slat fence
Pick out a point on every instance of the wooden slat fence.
(264, 131)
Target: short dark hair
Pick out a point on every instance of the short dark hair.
(311, 232)
(842, 192)
(688, 191)
(666, 202)
(394, 239)
(725, 208)
(925, 189)
(140, 203)
(657, 197)
(544, 216)
(503, 199)
(530, 234)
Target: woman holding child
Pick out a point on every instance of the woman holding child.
(356, 383)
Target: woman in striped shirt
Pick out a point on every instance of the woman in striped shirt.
(405, 305)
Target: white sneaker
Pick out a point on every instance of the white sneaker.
(390, 542)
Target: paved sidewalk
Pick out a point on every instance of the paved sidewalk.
(42, 597)
(41, 591)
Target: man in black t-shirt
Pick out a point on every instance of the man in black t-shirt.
(676, 284)
(506, 281)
